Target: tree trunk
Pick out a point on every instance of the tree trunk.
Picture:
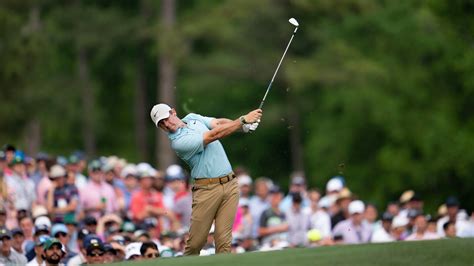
(88, 130)
(140, 113)
(295, 134)
(167, 76)
(140, 94)
(33, 137)
(33, 127)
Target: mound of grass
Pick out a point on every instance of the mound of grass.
(438, 252)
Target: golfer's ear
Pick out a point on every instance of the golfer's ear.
(173, 111)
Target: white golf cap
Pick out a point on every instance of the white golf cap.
(43, 221)
(335, 184)
(244, 180)
(356, 206)
(132, 249)
(129, 170)
(399, 221)
(57, 171)
(160, 111)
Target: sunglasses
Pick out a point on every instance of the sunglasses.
(95, 254)
(60, 234)
(152, 255)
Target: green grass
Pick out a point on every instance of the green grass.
(439, 252)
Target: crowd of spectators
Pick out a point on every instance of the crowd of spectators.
(69, 211)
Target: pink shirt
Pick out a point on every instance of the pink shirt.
(92, 194)
(43, 187)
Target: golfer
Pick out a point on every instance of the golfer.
(195, 139)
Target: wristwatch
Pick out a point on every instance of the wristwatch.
(242, 120)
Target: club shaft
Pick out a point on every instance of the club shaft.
(276, 70)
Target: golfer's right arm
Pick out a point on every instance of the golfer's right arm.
(224, 127)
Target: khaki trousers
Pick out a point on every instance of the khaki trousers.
(212, 202)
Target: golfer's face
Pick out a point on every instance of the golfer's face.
(169, 124)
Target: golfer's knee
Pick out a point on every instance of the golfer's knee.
(194, 246)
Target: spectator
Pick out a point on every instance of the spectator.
(147, 202)
(244, 229)
(60, 232)
(38, 250)
(80, 258)
(43, 183)
(344, 198)
(18, 238)
(21, 186)
(132, 251)
(273, 225)
(297, 185)
(420, 232)
(452, 207)
(382, 233)
(320, 219)
(259, 202)
(177, 182)
(90, 223)
(110, 254)
(299, 222)
(112, 178)
(393, 208)
(97, 197)
(449, 229)
(94, 249)
(129, 174)
(245, 185)
(62, 198)
(353, 230)
(53, 252)
(7, 254)
(75, 166)
(149, 250)
(370, 216)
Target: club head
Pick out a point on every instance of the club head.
(294, 22)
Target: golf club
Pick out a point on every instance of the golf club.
(294, 23)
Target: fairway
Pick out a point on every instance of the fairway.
(438, 252)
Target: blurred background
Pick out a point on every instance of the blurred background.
(381, 92)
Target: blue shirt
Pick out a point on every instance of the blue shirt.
(188, 143)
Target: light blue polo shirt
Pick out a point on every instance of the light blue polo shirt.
(188, 143)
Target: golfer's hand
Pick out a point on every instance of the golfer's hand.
(249, 127)
(254, 116)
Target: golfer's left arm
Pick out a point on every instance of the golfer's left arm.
(223, 127)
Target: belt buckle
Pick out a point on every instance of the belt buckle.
(220, 180)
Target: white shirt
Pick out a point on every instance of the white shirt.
(321, 221)
(380, 236)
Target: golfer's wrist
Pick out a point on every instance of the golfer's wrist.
(242, 120)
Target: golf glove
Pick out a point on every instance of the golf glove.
(249, 127)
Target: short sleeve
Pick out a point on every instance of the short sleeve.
(204, 119)
(188, 145)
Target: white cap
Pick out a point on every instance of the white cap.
(144, 169)
(43, 220)
(132, 249)
(160, 111)
(399, 221)
(244, 180)
(327, 201)
(39, 210)
(356, 206)
(130, 169)
(334, 184)
(57, 171)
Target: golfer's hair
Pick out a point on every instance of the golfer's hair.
(147, 245)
